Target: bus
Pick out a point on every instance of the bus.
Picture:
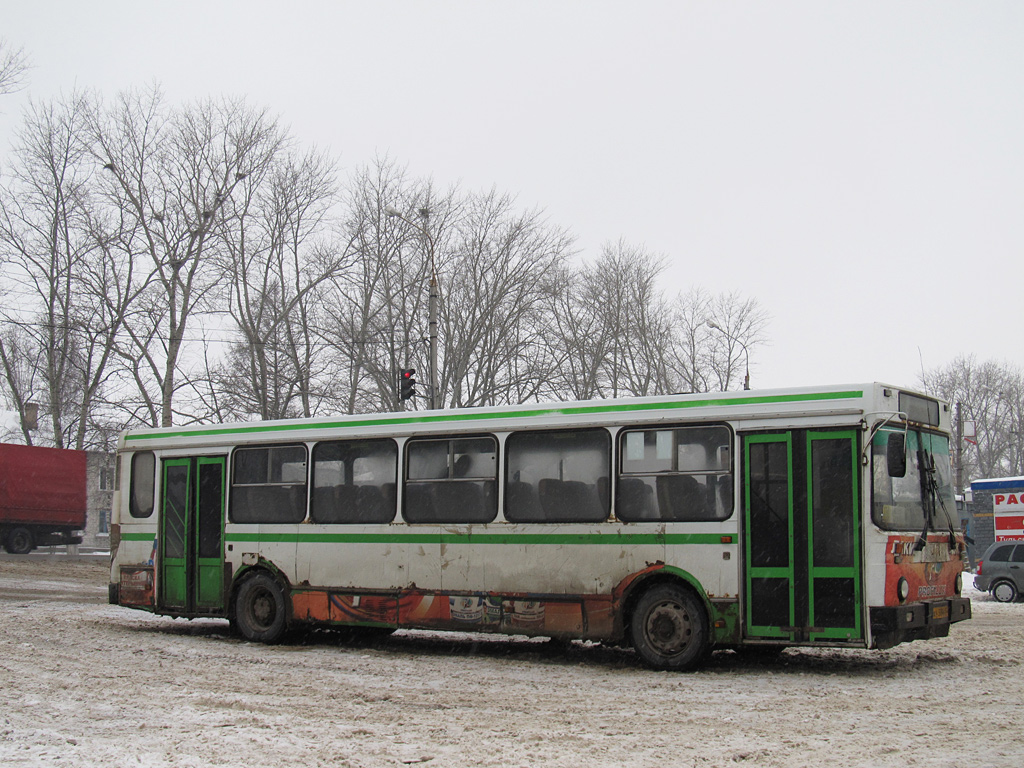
(677, 525)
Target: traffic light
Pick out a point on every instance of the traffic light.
(406, 383)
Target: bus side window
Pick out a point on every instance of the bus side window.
(557, 476)
(672, 475)
(354, 481)
(269, 484)
(143, 484)
(451, 480)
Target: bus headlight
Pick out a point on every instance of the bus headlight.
(902, 589)
(959, 585)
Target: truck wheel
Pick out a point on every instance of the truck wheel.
(1004, 591)
(261, 613)
(19, 541)
(669, 628)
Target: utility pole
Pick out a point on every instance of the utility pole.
(424, 213)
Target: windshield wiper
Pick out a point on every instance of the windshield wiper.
(945, 510)
(926, 470)
(929, 496)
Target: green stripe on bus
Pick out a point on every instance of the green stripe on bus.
(472, 414)
(138, 536)
(607, 539)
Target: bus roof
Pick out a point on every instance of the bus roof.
(853, 400)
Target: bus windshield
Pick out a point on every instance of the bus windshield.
(921, 500)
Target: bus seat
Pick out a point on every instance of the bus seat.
(323, 504)
(371, 505)
(389, 492)
(635, 500)
(522, 503)
(461, 501)
(419, 503)
(549, 495)
(723, 496)
(681, 497)
(334, 504)
(569, 500)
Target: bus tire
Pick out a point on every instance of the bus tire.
(19, 541)
(1004, 591)
(261, 612)
(669, 628)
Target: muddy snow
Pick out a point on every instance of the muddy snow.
(83, 683)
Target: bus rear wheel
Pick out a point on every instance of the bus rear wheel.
(669, 628)
(261, 613)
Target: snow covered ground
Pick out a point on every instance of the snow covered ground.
(83, 683)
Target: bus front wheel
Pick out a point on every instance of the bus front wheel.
(261, 614)
(669, 628)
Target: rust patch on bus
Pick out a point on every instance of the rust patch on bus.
(135, 587)
(584, 616)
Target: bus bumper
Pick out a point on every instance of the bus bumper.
(892, 625)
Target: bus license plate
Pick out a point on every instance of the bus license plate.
(940, 611)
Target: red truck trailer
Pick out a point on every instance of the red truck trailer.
(42, 497)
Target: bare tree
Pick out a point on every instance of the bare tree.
(19, 355)
(14, 66)
(278, 261)
(170, 172)
(989, 396)
(51, 236)
(691, 359)
(499, 278)
(739, 326)
(378, 308)
(575, 335)
(615, 325)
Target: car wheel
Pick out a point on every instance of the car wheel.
(1004, 591)
(19, 541)
(669, 628)
(261, 612)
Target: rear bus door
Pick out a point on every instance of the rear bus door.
(802, 550)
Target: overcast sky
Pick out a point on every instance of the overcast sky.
(856, 167)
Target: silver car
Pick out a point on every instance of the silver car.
(1001, 571)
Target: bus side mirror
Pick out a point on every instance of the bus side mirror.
(896, 455)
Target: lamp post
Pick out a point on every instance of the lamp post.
(731, 338)
(424, 214)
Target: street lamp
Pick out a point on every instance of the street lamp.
(424, 214)
(731, 338)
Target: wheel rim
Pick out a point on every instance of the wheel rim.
(668, 628)
(1003, 592)
(263, 608)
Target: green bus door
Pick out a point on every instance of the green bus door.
(191, 567)
(802, 545)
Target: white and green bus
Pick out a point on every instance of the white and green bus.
(679, 524)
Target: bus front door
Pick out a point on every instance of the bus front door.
(191, 556)
(802, 554)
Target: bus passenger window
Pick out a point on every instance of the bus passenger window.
(451, 480)
(354, 481)
(143, 484)
(557, 476)
(269, 485)
(680, 474)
